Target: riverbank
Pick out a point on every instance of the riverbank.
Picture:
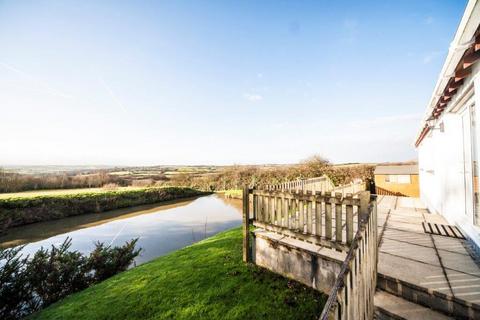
(25, 210)
(206, 280)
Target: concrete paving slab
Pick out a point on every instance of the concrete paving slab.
(458, 262)
(464, 286)
(406, 235)
(390, 304)
(410, 251)
(434, 262)
(434, 218)
(407, 202)
(411, 271)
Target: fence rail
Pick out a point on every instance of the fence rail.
(352, 188)
(322, 218)
(384, 192)
(352, 296)
(318, 184)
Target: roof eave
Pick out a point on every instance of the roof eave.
(465, 32)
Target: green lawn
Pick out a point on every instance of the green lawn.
(207, 280)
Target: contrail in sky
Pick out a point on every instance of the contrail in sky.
(47, 87)
(112, 95)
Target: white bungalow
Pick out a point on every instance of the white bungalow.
(448, 140)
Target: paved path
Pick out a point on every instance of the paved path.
(408, 253)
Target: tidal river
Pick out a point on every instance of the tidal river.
(161, 228)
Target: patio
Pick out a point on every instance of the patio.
(432, 270)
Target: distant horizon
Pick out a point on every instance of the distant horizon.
(186, 165)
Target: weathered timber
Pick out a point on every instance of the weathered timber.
(246, 225)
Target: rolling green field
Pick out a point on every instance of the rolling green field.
(56, 192)
(207, 280)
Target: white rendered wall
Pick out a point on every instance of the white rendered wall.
(441, 174)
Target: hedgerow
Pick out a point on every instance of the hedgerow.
(20, 211)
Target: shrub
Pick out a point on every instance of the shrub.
(107, 261)
(16, 298)
(27, 285)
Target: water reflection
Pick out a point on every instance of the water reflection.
(160, 229)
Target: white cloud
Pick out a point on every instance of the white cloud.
(253, 97)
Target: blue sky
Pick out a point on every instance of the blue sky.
(217, 82)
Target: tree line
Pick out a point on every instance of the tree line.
(15, 182)
(232, 177)
(236, 177)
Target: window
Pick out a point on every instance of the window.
(398, 178)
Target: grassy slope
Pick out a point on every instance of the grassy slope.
(207, 280)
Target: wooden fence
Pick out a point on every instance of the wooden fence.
(340, 221)
(352, 296)
(352, 188)
(319, 184)
(384, 192)
(324, 218)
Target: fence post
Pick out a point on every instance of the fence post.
(246, 225)
(364, 203)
